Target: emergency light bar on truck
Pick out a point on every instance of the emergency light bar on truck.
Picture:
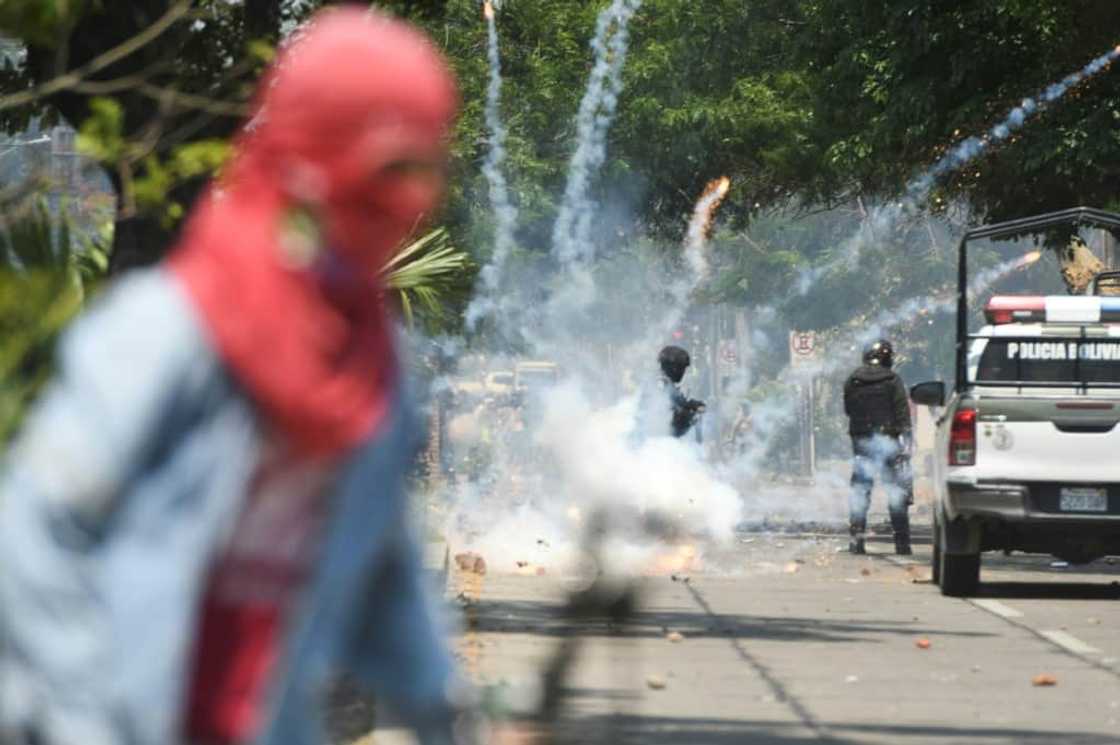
(1003, 309)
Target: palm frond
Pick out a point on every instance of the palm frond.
(425, 274)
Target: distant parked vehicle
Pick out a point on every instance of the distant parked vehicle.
(532, 375)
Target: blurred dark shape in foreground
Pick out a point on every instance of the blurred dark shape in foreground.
(203, 521)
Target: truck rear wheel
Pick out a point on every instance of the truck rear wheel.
(959, 574)
(935, 563)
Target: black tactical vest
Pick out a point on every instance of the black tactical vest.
(871, 406)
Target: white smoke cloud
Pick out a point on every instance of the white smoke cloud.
(539, 468)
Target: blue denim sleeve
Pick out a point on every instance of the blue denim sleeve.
(401, 649)
(367, 612)
(118, 369)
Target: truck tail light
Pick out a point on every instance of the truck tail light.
(962, 439)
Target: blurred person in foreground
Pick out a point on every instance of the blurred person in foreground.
(204, 518)
(878, 412)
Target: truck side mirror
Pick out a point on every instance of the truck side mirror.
(928, 394)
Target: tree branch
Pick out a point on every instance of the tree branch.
(100, 62)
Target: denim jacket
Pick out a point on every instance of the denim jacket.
(116, 498)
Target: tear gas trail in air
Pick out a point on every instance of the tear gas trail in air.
(877, 225)
(571, 236)
(973, 147)
(783, 413)
(916, 192)
(505, 213)
(695, 255)
(922, 306)
(699, 227)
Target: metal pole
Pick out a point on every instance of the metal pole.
(713, 417)
(813, 426)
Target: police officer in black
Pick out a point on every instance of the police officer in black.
(674, 361)
(878, 412)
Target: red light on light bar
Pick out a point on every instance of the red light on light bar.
(1015, 309)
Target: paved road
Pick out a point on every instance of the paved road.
(789, 640)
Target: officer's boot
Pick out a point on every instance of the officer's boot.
(900, 522)
(856, 529)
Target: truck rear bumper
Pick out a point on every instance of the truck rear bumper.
(1023, 503)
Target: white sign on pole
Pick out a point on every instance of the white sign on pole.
(803, 350)
(803, 353)
(728, 355)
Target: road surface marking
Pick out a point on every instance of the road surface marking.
(1069, 642)
(994, 606)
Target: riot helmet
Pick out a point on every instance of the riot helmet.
(879, 353)
(674, 361)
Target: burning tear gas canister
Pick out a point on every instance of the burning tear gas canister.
(700, 226)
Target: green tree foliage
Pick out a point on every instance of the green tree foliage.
(804, 103)
(156, 87)
(44, 279)
(895, 83)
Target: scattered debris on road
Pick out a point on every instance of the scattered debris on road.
(656, 683)
(529, 569)
(680, 578)
(1044, 681)
(919, 575)
(923, 644)
(675, 637)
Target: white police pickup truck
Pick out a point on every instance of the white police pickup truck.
(1030, 436)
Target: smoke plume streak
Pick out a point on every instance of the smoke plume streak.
(695, 255)
(571, 234)
(916, 192)
(484, 302)
(971, 148)
(921, 306)
(700, 225)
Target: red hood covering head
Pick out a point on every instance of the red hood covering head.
(282, 257)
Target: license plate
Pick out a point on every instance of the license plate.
(1083, 499)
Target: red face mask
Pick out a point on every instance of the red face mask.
(360, 107)
(360, 125)
(384, 189)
